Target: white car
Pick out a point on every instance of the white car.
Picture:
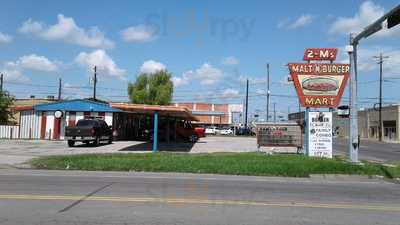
(226, 131)
(211, 130)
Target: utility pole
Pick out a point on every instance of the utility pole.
(247, 103)
(94, 82)
(288, 112)
(1, 83)
(59, 89)
(268, 92)
(274, 113)
(380, 62)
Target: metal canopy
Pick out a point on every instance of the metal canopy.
(171, 111)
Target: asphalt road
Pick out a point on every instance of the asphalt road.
(370, 150)
(72, 197)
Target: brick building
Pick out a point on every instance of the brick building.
(215, 114)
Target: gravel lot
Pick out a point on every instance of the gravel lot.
(14, 152)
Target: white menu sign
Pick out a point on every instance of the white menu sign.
(320, 134)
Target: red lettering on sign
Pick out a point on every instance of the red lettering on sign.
(320, 54)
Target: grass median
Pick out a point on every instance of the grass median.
(256, 164)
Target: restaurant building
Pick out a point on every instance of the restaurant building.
(128, 121)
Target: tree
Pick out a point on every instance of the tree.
(5, 103)
(153, 89)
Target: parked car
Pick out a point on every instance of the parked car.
(89, 130)
(200, 132)
(226, 131)
(211, 130)
(244, 131)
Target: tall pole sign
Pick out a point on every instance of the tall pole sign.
(319, 85)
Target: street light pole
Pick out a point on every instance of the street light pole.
(354, 138)
(393, 19)
(380, 97)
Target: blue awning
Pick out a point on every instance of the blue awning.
(77, 105)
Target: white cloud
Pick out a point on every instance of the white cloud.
(230, 60)
(39, 63)
(302, 21)
(367, 14)
(179, 81)
(367, 63)
(104, 63)
(5, 38)
(206, 75)
(66, 30)
(151, 66)
(140, 33)
(230, 93)
(14, 70)
(283, 23)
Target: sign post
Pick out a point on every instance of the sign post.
(319, 85)
(306, 130)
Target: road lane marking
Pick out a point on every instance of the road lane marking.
(202, 201)
(197, 177)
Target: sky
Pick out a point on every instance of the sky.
(209, 47)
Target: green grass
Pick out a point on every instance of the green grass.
(257, 164)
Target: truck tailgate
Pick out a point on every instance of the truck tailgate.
(78, 131)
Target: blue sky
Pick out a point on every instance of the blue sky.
(210, 47)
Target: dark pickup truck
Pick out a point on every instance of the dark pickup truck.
(89, 130)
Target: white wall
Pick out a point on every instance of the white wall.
(30, 124)
(63, 124)
(49, 125)
(109, 119)
(79, 116)
(234, 108)
(7, 131)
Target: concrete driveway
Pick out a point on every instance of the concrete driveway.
(14, 152)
